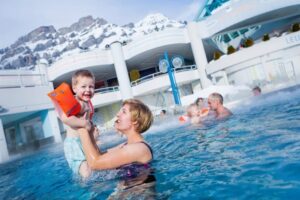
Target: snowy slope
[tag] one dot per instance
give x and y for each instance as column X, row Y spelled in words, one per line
column 86, row 34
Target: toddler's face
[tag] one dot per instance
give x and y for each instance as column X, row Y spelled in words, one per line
column 193, row 111
column 85, row 88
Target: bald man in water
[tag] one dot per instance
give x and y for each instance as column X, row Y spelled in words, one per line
column 215, row 102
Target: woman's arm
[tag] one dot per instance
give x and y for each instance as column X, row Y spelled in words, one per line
column 112, row 159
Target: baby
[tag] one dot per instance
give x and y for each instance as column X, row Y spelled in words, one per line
column 83, row 83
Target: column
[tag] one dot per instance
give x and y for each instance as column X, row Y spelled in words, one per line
column 225, row 77
column 51, row 126
column 121, row 70
column 42, row 67
column 199, row 53
column 3, row 146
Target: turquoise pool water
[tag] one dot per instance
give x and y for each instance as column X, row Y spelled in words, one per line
column 253, row 155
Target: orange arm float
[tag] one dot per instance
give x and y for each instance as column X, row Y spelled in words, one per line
column 204, row 112
column 63, row 98
column 183, row 118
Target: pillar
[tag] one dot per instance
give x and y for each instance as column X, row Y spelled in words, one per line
column 3, row 145
column 225, row 77
column 42, row 67
column 199, row 53
column 51, row 126
column 121, row 70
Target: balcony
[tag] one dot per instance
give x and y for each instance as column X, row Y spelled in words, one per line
column 267, row 64
column 24, row 90
column 145, row 85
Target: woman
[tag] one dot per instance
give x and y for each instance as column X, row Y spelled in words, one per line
column 133, row 119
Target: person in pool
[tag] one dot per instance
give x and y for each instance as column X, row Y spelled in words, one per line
column 163, row 113
column 256, row 91
column 133, row 119
column 200, row 102
column 215, row 103
column 193, row 113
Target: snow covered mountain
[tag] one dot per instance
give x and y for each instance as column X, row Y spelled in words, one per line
column 86, row 34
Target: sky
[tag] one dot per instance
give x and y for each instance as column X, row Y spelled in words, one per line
column 19, row 17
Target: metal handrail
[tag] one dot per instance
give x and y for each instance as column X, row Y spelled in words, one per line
column 152, row 76
column 21, row 78
column 29, row 68
column 107, row 89
column 146, row 78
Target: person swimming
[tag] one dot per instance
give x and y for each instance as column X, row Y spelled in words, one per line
column 215, row 102
column 256, row 91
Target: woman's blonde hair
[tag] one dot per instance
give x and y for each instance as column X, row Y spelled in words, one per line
column 140, row 113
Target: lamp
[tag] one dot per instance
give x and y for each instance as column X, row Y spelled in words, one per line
column 163, row 65
column 177, row 61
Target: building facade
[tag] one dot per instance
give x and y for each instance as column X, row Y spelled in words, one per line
column 233, row 42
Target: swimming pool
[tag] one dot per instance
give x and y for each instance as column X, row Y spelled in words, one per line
column 253, row 155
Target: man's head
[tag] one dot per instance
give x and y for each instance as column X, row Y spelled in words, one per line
column 256, row 91
column 215, row 100
column 163, row 112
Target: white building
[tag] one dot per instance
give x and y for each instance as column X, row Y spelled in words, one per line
column 27, row 117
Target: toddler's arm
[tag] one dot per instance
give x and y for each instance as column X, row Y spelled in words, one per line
column 75, row 122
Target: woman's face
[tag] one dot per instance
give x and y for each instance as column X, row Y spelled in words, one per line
column 123, row 121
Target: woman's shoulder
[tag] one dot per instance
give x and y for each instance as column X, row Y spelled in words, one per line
column 140, row 143
column 141, row 149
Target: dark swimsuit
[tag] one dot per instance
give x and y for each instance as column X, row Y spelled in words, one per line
column 134, row 169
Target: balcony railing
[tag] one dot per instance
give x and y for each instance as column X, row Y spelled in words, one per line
column 146, row 78
column 22, row 78
column 107, row 89
column 152, row 76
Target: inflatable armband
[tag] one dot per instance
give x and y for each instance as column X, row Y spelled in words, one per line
column 204, row 112
column 183, row 118
column 63, row 98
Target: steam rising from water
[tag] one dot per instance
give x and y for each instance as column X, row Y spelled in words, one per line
column 237, row 107
column 270, row 99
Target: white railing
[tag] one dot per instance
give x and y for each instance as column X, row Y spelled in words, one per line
column 28, row 68
column 145, row 78
column 22, row 78
column 107, row 89
column 152, row 76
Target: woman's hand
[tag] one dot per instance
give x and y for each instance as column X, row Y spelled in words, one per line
column 88, row 125
column 96, row 132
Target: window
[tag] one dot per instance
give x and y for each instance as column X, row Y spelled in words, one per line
column 242, row 31
column 226, row 38
column 234, row 34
